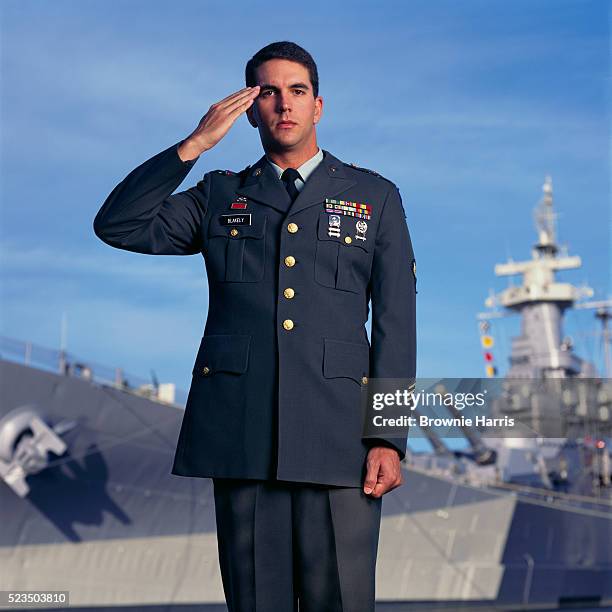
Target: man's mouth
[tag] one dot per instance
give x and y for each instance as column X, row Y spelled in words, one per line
column 286, row 124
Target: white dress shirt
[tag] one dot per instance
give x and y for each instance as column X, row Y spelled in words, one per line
column 305, row 170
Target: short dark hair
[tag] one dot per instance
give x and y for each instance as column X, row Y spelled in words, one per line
column 283, row 50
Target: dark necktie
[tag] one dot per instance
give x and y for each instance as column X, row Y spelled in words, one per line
column 289, row 177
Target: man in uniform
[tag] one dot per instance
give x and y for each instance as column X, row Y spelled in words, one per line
column 295, row 247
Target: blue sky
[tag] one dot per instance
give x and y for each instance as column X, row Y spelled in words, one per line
column 465, row 106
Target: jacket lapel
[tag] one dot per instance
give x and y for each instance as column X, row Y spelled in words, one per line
column 263, row 185
column 327, row 181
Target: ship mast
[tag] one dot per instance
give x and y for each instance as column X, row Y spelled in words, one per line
column 541, row 350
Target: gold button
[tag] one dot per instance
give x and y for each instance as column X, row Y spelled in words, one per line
column 206, row 370
column 288, row 324
column 290, row 261
column 288, row 293
column 364, row 380
column 233, row 232
column 348, row 240
column 292, row 227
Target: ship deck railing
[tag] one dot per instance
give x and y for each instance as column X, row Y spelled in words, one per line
column 67, row 364
column 527, row 493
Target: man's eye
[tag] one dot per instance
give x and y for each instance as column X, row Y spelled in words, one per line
column 298, row 91
column 266, row 92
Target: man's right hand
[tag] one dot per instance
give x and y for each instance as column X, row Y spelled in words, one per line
column 215, row 124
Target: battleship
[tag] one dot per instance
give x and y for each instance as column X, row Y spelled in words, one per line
column 89, row 506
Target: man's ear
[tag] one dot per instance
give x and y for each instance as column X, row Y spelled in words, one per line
column 318, row 109
column 251, row 116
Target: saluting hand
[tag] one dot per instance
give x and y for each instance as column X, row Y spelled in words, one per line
column 383, row 471
column 215, row 124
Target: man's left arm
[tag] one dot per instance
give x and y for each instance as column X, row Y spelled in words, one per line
column 393, row 339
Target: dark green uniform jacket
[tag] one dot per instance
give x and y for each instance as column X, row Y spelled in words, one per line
column 278, row 375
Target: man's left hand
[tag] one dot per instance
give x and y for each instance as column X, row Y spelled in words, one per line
column 383, row 471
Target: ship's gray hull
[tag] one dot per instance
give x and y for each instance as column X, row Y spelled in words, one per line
column 109, row 523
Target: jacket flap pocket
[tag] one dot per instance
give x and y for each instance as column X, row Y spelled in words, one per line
column 246, row 225
column 345, row 359
column 342, row 228
column 223, row 353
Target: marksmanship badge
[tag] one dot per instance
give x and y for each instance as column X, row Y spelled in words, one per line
column 361, row 227
column 333, row 228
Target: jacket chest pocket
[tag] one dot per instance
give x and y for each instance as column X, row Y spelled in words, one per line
column 236, row 252
column 342, row 258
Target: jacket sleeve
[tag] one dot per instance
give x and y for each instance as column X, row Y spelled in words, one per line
column 393, row 294
column 141, row 216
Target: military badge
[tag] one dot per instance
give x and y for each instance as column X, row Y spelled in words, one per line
column 240, row 203
column 361, row 227
column 333, row 228
column 351, row 209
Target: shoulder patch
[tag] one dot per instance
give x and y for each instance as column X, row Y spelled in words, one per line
column 372, row 172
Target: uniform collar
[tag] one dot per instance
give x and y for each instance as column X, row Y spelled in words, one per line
column 327, row 180
column 305, row 170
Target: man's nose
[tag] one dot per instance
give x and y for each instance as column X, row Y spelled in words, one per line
column 282, row 101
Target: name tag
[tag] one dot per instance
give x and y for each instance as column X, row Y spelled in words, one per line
column 244, row 219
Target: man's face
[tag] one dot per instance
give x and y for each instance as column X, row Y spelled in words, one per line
column 285, row 111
